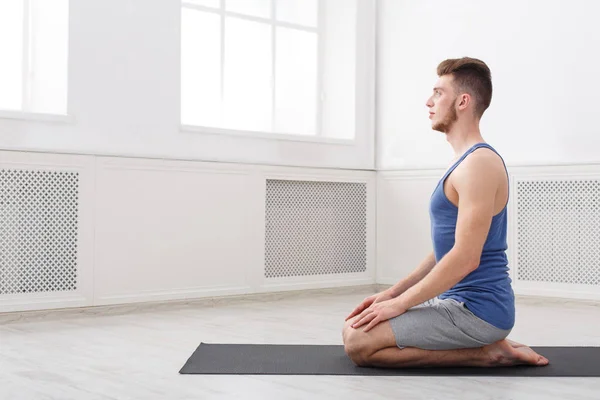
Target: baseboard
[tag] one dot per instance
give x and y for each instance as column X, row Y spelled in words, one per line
column 127, row 308
column 559, row 295
column 170, row 295
column 282, row 285
column 34, row 303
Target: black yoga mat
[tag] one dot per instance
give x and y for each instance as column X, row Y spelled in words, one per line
column 268, row 359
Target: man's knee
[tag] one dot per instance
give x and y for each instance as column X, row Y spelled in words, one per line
column 357, row 347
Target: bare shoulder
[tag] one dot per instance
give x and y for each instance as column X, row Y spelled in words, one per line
column 482, row 168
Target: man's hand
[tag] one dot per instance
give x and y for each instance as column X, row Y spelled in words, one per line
column 379, row 312
column 366, row 303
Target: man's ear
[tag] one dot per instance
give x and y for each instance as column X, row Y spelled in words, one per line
column 464, row 101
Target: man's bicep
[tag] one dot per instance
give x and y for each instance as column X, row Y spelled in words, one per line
column 476, row 194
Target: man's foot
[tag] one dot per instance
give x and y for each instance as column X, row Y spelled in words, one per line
column 508, row 353
column 515, row 344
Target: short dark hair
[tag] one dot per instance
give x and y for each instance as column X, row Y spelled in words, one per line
column 472, row 76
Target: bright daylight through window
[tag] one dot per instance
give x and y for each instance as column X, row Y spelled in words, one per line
column 264, row 66
column 34, row 48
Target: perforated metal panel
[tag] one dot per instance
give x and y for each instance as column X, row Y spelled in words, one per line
column 315, row 228
column 38, row 231
column 558, row 231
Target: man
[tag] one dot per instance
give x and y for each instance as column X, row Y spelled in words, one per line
column 457, row 307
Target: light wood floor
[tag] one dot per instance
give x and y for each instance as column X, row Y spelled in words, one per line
column 137, row 354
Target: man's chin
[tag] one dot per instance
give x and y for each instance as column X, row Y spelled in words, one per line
column 439, row 128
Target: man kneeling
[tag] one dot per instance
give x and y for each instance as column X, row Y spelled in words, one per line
column 457, row 307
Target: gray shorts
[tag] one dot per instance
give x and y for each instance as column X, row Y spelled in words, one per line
column 443, row 325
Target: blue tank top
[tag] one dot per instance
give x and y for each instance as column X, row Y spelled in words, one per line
column 487, row 291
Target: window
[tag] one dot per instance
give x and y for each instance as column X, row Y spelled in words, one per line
column 34, row 49
column 259, row 65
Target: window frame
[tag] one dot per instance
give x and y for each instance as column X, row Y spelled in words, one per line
column 272, row 21
column 25, row 112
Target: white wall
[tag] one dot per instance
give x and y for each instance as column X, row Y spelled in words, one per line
column 403, row 227
column 124, row 95
column 167, row 213
column 544, row 62
column 124, row 99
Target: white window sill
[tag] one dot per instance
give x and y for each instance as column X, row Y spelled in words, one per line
column 32, row 116
column 266, row 135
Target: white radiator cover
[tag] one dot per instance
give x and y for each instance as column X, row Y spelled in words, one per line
column 38, row 231
column 315, row 228
column 557, row 235
column 69, row 236
column 79, row 230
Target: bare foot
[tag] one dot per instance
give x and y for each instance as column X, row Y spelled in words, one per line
column 515, row 344
column 507, row 353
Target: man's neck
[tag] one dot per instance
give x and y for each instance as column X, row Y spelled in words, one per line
column 463, row 136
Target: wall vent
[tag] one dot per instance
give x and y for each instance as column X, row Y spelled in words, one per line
column 558, row 231
column 38, row 231
column 315, row 228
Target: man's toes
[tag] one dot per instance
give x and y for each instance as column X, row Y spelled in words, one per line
column 527, row 356
column 543, row 361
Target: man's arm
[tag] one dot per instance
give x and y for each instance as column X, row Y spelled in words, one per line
column 476, row 185
column 414, row 277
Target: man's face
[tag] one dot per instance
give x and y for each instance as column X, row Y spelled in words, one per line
column 442, row 108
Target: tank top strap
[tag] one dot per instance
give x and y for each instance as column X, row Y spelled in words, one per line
column 466, row 153
column 501, row 159
column 469, row 151
column 494, row 150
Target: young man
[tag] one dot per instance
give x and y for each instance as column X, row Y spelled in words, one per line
column 457, row 307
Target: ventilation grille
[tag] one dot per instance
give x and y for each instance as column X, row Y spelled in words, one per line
column 558, row 231
column 38, row 231
column 315, row 228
